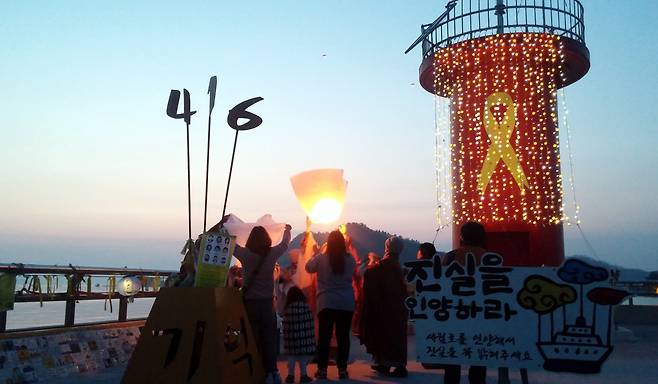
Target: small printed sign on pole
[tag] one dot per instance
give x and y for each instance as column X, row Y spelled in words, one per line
column 215, row 259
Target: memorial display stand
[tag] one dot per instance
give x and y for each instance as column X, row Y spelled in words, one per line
column 196, row 335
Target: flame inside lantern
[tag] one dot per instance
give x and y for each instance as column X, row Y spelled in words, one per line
column 321, row 193
column 326, row 211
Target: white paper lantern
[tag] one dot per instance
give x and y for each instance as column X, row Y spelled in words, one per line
column 129, row 286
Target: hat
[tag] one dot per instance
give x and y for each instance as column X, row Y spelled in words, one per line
column 393, row 246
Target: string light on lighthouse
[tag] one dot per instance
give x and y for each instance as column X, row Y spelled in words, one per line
column 442, row 161
column 442, row 148
column 504, row 144
column 567, row 130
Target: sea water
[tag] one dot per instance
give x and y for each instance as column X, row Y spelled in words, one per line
column 644, row 300
column 51, row 313
column 28, row 315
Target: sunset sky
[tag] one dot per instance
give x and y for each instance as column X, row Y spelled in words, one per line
column 93, row 172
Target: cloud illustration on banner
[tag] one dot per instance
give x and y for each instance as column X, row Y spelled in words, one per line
column 543, row 295
column 575, row 271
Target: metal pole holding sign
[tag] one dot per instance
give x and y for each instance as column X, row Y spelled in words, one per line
column 253, row 121
column 172, row 111
column 212, row 89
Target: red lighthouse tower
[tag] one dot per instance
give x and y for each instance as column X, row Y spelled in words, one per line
column 500, row 63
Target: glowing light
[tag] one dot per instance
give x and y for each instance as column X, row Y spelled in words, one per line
column 503, row 106
column 442, row 148
column 129, row 286
column 321, row 194
column 326, row 211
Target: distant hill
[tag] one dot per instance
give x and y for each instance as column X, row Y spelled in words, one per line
column 625, row 274
column 364, row 240
column 370, row 240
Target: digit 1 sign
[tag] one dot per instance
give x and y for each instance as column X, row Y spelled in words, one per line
column 212, row 90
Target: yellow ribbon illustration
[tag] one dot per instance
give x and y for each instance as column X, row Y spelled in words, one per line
column 500, row 147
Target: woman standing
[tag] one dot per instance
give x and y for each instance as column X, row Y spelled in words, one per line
column 258, row 259
column 335, row 301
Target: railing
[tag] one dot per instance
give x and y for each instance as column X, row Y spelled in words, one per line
column 647, row 288
column 470, row 19
column 73, row 279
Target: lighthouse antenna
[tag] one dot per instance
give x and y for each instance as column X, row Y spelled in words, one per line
column 500, row 12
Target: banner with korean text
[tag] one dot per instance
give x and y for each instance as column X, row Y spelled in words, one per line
column 518, row 317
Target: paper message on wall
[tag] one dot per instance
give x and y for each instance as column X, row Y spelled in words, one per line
column 65, row 357
column 215, row 259
column 519, row 317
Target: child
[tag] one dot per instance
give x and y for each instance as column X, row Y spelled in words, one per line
column 298, row 334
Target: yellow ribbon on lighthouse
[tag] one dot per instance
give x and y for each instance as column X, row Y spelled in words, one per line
column 500, row 148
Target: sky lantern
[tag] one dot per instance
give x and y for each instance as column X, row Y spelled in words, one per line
column 321, row 193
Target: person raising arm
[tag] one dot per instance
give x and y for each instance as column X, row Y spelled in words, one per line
column 258, row 259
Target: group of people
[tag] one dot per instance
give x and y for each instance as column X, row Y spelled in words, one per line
column 376, row 291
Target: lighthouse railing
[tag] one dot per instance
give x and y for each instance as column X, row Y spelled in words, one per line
column 469, row 19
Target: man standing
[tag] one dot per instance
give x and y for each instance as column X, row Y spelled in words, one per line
column 383, row 325
column 473, row 241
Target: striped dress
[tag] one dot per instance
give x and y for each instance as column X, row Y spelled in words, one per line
column 298, row 330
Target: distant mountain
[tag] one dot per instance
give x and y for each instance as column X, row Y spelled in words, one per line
column 364, row 240
column 625, row 274
column 367, row 240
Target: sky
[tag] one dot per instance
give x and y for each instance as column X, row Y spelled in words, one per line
column 93, row 172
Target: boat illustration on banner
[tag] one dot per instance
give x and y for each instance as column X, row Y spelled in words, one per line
column 578, row 347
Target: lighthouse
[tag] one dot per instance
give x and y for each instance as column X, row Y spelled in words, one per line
column 500, row 63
